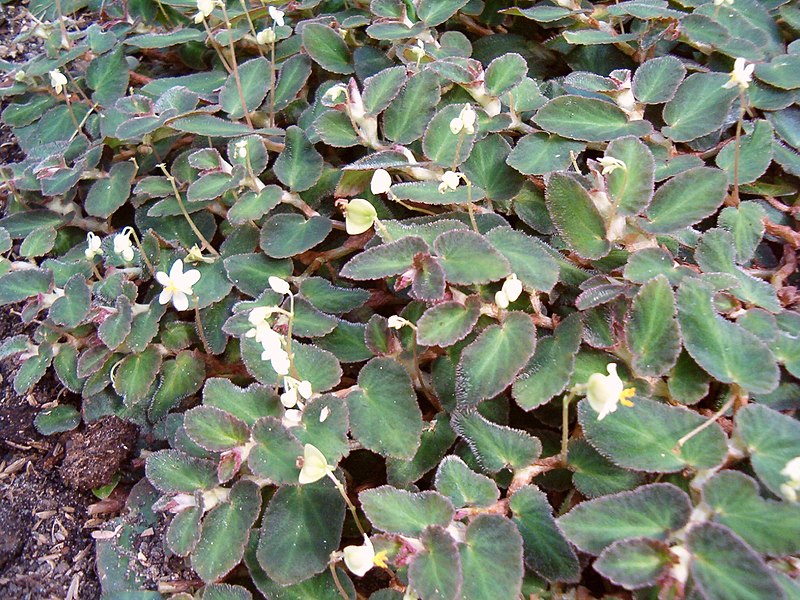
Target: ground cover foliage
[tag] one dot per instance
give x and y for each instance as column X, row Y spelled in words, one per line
column 436, row 299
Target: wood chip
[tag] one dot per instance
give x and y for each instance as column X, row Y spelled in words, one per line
column 74, row 587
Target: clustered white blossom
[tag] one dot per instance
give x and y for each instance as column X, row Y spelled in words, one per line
column 465, row 121
column 123, row 246
column 511, row 290
column 450, row 181
column 93, row 248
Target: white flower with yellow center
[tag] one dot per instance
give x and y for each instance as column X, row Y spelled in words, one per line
column 511, row 290
column 381, row 182
column 360, row 559
column 58, row 81
column 604, row 392
column 93, row 248
column 359, row 216
column 277, row 16
column 123, row 245
column 177, row 285
column 611, row 164
column 741, row 75
column 314, row 465
column 450, row 181
column 791, row 488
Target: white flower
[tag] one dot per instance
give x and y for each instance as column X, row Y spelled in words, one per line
column 177, row 285
column 240, row 149
column 418, row 51
column 266, row 36
column 468, row 117
column 721, row 2
column 512, row 287
column 277, row 16
column 294, row 390
column 500, row 299
column 604, row 392
column 315, row 465
column 511, row 290
column 360, row 559
column 359, row 216
column 334, row 92
column 57, row 80
column 396, row 322
column 279, row 285
column 381, row 182
column 450, row 181
column 792, row 472
column 611, row 164
column 204, row 10
column 196, row 255
column 465, row 120
column 279, row 361
column 123, row 245
column 271, row 341
column 93, row 246
column 741, row 75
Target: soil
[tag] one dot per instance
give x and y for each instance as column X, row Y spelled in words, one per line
column 46, row 548
column 93, row 457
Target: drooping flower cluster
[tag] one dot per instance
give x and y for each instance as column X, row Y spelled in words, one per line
column 273, row 344
column 450, row 181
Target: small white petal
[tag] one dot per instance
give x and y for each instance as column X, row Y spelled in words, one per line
column 381, row 182
column 315, row 465
column 180, row 301
column 279, row 285
column 360, row 559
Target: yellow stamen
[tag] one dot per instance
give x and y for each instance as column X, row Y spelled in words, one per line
column 625, row 394
column 380, row 559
